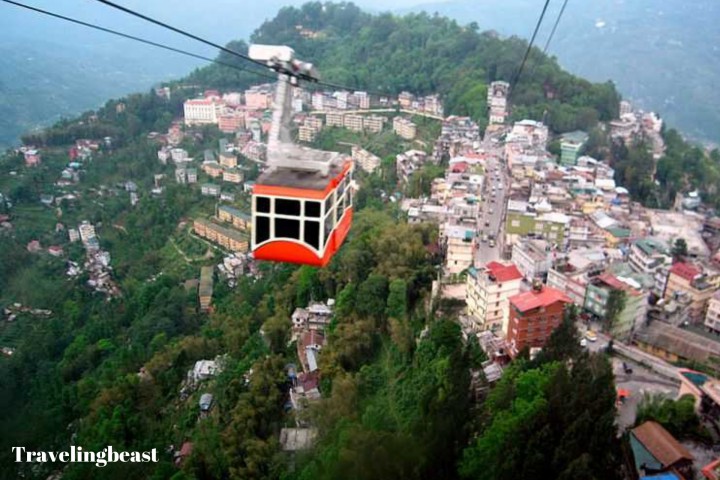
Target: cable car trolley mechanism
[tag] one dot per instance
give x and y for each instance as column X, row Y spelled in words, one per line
column 302, row 202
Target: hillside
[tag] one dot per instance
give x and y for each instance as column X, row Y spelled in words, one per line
column 113, row 370
column 663, row 56
column 425, row 54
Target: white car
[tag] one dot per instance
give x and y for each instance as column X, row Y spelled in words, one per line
column 583, row 342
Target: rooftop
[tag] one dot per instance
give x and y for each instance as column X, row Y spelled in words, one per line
column 661, row 445
column 538, row 298
column 686, row 270
column 503, row 273
column 308, row 180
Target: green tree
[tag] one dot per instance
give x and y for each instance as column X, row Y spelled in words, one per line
column 679, row 249
column 614, row 307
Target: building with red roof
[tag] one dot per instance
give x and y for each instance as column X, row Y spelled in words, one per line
column 694, row 282
column 487, row 292
column 533, row 316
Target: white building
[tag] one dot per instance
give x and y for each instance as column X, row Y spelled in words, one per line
column 202, row 111
column 487, row 294
column 532, row 257
column 460, row 246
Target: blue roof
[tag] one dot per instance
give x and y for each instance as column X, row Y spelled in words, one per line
column 662, row 476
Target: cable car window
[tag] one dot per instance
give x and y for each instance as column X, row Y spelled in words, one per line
column 262, row 229
column 329, row 224
column 349, row 198
column 312, row 209
column 287, row 207
column 338, row 213
column 262, row 204
column 285, row 228
column 329, row 203
column 311, row 236
column 341, row 186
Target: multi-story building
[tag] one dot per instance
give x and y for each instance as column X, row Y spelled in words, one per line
column 239, row 220
column 571, row 274
column 533, row 257
column 231, row 122
column 374, row 123
column 87, row 232
column 364, row 159
column 341, row 99
column 487, row 292
column 233, row 175
column 205, row 288
column 259, row 97
column 533, row 316
column 32, row 158
column 228, row 238
column 353, row 122
column 210, row 190
column 181, row 175
column 649, row 256
column 571, row 144
column 522, row 222
column 712, row 318
column 497, row 101
column 212, row 168
column 318, row 101
column 631, row 316
column 405, row 99
column 179, row 155
column 313, row 122
column 408, row 163
column 363, row 100
column 228, row 160
column 335, row 119
column 696, row 283
column 404, row 128
column 307, row 133
column 191, row 174
column 459, row 241
column 202, row 111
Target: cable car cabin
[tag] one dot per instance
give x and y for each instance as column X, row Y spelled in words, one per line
column 302, row 216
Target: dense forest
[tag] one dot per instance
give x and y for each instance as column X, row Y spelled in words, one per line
column 398, row 399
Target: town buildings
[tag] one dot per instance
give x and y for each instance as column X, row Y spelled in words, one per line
column 571, row 144
column 228, row 238
column 487, row 292
column 364, row 159
column 634, row 312
column 533, row 317
column 202, row 111
column 698, row 284
column 404, row 128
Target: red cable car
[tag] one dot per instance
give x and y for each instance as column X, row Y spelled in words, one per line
column 302, row 204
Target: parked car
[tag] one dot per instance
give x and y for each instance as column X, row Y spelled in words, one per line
column 583, row 342
column 591, row 336
column 627, row 368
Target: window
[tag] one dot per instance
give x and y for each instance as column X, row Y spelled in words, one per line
column 285, row 228
column 262, row 204
column 287, row 207
column 329, row 224
column 311, row 236
column 262, row 229
column 329, row 203
column 312, row 209
column 515, row 223
column 338, row 212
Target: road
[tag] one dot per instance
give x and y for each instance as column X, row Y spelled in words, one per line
column 492, row 213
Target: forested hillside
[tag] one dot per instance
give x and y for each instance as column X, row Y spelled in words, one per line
column 427, row 54
column 396, row 385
